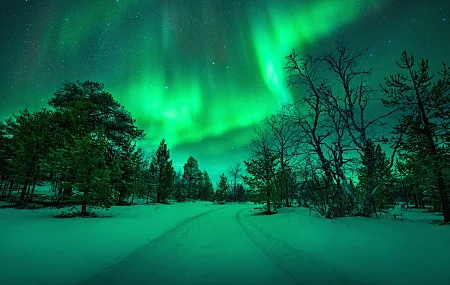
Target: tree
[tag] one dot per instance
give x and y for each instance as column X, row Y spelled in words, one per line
column 344, row 64
column 234, row 171
column 85, row 106
column 261, row 168
column 286, row 145
column 206, row 189
column 84, row 109
column 321, row 128
column 180, row 187
column 128, row 159
column 6, row 143
column 221, row 191
column 375, row 160
column 164, row 173
column 91, row 176
column 424, row 113
column 192, row 176
column 29, row 146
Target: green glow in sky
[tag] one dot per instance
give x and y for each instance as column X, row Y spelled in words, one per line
column 194, row 72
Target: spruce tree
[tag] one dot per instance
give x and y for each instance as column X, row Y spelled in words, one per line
column 207, row 189
column 261, row 177
column 180, row 187
column 221, row 191
column 373, row 180
column 91, row 177
column 192, row 176
column 164, row 173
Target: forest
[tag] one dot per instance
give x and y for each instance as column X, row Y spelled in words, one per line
column 328, row 151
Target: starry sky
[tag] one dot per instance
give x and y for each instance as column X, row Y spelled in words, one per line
column 200, row 73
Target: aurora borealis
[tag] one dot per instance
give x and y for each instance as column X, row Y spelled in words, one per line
column 200, row 74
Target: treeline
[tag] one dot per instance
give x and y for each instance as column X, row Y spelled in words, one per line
column 324, row 150
column 86, row 148
column 231, row 188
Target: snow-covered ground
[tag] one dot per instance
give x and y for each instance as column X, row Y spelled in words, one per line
column 36, row 248
column 376, row 251
column 214, row 242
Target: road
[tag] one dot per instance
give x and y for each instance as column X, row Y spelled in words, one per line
column 218, row 247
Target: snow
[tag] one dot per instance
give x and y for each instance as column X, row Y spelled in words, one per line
column 39, row 249
column 189, row 238
column 372, row 251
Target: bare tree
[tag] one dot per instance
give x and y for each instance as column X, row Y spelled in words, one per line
column 235, row 171
column 321, row 127
column 332, row 117
column 286, row 145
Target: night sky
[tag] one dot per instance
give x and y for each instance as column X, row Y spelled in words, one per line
column 200, row 74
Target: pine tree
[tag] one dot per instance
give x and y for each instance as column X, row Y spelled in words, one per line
column 261, row 177
column 424, row 107
column 85, row 106
column 192, row 176
column 373, row 178
column 206, row 189
column 91, row 177
column 221, row 191
column 30, row 144
column 180, row 187
column 165, row 174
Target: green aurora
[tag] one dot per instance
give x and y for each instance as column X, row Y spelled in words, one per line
column 201, row 74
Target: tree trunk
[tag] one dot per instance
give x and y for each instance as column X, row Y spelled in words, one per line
column 268, row 200
column 443, row 195
column 22, row 194
column 4, row 187
column 83, row 209
column 30, row 197
column 11, row 186
column 416, row 204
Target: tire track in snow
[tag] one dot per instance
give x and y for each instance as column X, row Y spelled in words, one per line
column 295, row 263
column 129, row 270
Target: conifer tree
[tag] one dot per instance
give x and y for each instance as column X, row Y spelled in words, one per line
column 207, row 189
column 261, row 177
column 82, row 107
column 179, row 187
column 261, row 169
column 164, row 173
column 91, row 176
column 30, row 143
column 192, row 176
column 221, row 191
column 374, row 161
column 424, row 105
column 5, row 156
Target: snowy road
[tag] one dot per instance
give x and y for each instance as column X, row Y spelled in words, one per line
column 220, row 246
